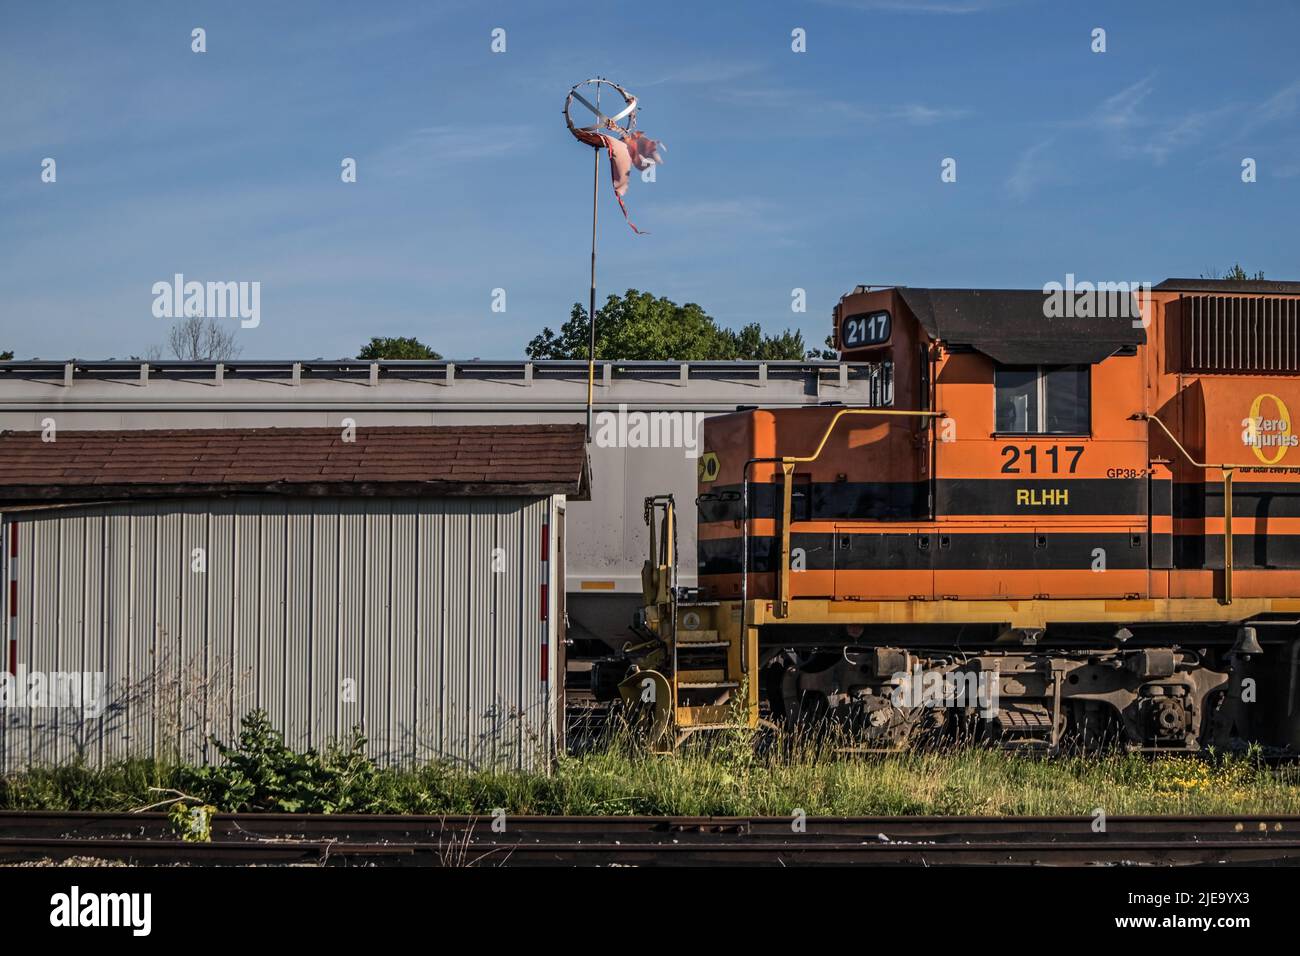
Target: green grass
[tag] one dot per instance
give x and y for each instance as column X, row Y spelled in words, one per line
column 725, row 778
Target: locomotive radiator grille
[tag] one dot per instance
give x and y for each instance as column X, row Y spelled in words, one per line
column 1234, row 334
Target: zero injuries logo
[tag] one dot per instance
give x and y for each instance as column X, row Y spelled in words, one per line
column 1259, row 433
column 708, row 467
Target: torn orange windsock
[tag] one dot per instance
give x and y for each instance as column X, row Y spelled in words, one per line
column 635, row 149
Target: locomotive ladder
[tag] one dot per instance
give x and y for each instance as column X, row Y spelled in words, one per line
column 707, row 665
column 711, row 689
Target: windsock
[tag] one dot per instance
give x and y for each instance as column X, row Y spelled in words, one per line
column 634, row 149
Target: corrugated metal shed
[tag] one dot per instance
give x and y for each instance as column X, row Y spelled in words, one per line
column 431, row 621
column 416, row 618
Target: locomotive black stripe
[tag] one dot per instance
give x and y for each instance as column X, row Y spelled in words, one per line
column 998, row 552
column 898, row 500
column 1162, row 496
column 1263, row 499
column 1249, row 551
column 879, row 500
column 859, row 551
column 1162, row 504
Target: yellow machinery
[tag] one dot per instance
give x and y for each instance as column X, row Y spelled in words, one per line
column 693, row 671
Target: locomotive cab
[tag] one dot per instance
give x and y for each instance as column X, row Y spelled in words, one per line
column 997, row 459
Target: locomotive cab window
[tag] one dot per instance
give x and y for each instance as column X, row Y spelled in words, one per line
column 1042, row 399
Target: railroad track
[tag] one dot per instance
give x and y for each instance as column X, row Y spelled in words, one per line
column 365, row 840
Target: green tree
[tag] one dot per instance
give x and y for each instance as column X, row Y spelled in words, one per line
column 639, row 326
column 6, row 356
column 828, row 352
column 1235, row 274
column 397, row 348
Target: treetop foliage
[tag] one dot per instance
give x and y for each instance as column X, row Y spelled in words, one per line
column 381, row 347
column 638, row 326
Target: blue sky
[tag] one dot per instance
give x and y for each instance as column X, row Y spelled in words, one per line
column 784, row 170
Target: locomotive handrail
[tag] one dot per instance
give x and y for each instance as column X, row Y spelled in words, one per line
column 787, row 463
column 853, row 411
column 1228, row 470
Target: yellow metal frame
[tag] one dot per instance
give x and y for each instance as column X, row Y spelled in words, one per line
column 1035, row 613
column 788, row 462
column 658, row 576
column 1227, row 470
column 739, row 645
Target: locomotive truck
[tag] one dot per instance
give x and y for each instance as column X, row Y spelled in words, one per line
column 1051, row 527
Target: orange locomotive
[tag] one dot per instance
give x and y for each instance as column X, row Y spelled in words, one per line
column 1025, row 537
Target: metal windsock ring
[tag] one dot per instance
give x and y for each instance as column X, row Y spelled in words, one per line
column 590, row 90
column 616, row 132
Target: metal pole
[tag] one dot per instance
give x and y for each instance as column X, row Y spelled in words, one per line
column 591, row 308
column 1227, row 536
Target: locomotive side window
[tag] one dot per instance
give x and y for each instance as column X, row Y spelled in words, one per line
column 1017, row 399
column 1069, row 400
column 1042, row 399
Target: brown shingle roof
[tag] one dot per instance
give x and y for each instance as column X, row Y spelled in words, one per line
column 404, row 461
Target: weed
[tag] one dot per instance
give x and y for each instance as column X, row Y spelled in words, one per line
column 728, row 775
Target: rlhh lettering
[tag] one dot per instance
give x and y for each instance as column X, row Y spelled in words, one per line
column 1040, row 497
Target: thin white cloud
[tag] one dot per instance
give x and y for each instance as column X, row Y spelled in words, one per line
column 1138, row 132
column 749, row 212
column 794, row 103
column 1289, row 171
column 368, row 26
column 1167, row 138
column 918, row 114
column 1134, row 132
column 1030, row 172
column 1120, row 111
column 1282, row 105
column 702, row 74
column 435, row 147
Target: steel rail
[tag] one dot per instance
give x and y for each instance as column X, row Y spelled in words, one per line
column 722, row 852
column 356, row 839
column 22, row 822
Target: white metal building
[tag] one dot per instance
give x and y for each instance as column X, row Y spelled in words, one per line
column 408, row 582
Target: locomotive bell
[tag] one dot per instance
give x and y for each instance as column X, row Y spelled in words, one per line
column 1247, row 642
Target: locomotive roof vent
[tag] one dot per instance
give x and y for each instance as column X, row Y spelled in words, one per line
column 1229, row 286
